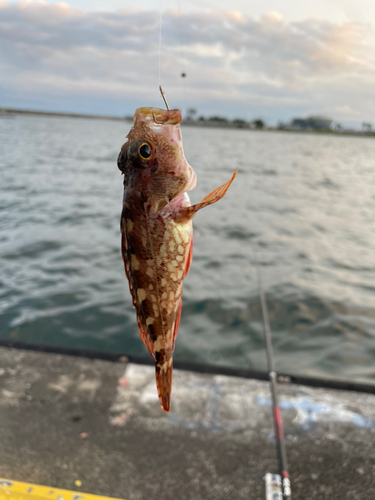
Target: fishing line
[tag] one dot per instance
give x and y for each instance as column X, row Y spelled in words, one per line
column 182, row 55
column 161, row 90
column 160, row 20
column 183, row 74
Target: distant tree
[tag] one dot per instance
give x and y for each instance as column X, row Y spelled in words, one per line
column 338, row 127
column 259, row 123
column 237, row 122
column 366, row 127
column 220, row 119
column 202, row 119
column 191, row 113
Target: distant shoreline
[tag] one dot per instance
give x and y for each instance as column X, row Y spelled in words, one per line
column 208, row 124
column 10, row 112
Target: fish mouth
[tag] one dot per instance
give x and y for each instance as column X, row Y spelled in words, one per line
column 158, row 116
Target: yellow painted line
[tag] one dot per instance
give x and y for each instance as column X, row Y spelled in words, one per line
column 14, row 490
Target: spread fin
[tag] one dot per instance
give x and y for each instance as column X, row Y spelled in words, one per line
column 187, row 213
column 176, row 324
column 189, row 258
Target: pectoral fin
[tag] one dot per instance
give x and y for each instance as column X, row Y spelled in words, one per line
column 187, row 213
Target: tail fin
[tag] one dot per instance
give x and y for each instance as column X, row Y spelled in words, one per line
column 163, row 375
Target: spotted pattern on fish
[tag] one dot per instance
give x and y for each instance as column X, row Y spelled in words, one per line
column 156, row 229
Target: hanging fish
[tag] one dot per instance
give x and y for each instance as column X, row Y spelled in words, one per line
column 156, row 229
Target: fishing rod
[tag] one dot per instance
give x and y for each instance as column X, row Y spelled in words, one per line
column 286, row 491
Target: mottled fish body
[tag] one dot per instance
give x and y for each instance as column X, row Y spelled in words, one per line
column 156, row 229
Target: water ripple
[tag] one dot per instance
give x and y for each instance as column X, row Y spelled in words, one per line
column 302, row 205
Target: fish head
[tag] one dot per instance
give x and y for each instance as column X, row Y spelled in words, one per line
column 152, row 160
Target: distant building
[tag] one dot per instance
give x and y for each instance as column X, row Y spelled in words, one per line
column 312, row 123
column 300, row 123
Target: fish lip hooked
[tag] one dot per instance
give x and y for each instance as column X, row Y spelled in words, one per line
column 169, row 117
column 158, row 116
column 158, row 123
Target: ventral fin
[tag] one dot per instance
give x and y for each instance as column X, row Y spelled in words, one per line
column 176, row 325
column 189, row 258
column 187, row 213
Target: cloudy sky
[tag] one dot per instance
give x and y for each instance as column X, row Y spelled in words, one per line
column 273, row 59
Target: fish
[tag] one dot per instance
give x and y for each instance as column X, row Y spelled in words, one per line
column 156, row 231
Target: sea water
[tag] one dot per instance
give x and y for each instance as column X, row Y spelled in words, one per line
column 302, row 206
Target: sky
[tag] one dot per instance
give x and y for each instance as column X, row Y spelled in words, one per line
column 269, row 59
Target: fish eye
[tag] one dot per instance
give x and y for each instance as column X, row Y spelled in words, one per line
column 144, row 151
column 120, row 161
column 122, row 158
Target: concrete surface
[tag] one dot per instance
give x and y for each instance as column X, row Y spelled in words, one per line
column 66, row 419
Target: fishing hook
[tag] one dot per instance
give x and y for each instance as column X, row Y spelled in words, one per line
column 163, row 96
column 158, row 123
column 166, row 103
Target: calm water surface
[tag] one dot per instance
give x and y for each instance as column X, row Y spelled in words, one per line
column 303, row 205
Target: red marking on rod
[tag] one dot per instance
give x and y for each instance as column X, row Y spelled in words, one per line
column 279, row 432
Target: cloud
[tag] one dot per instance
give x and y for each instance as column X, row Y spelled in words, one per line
column 227, row 56
column 346, row 110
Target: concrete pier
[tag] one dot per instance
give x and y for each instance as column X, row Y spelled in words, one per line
column 96, row 426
